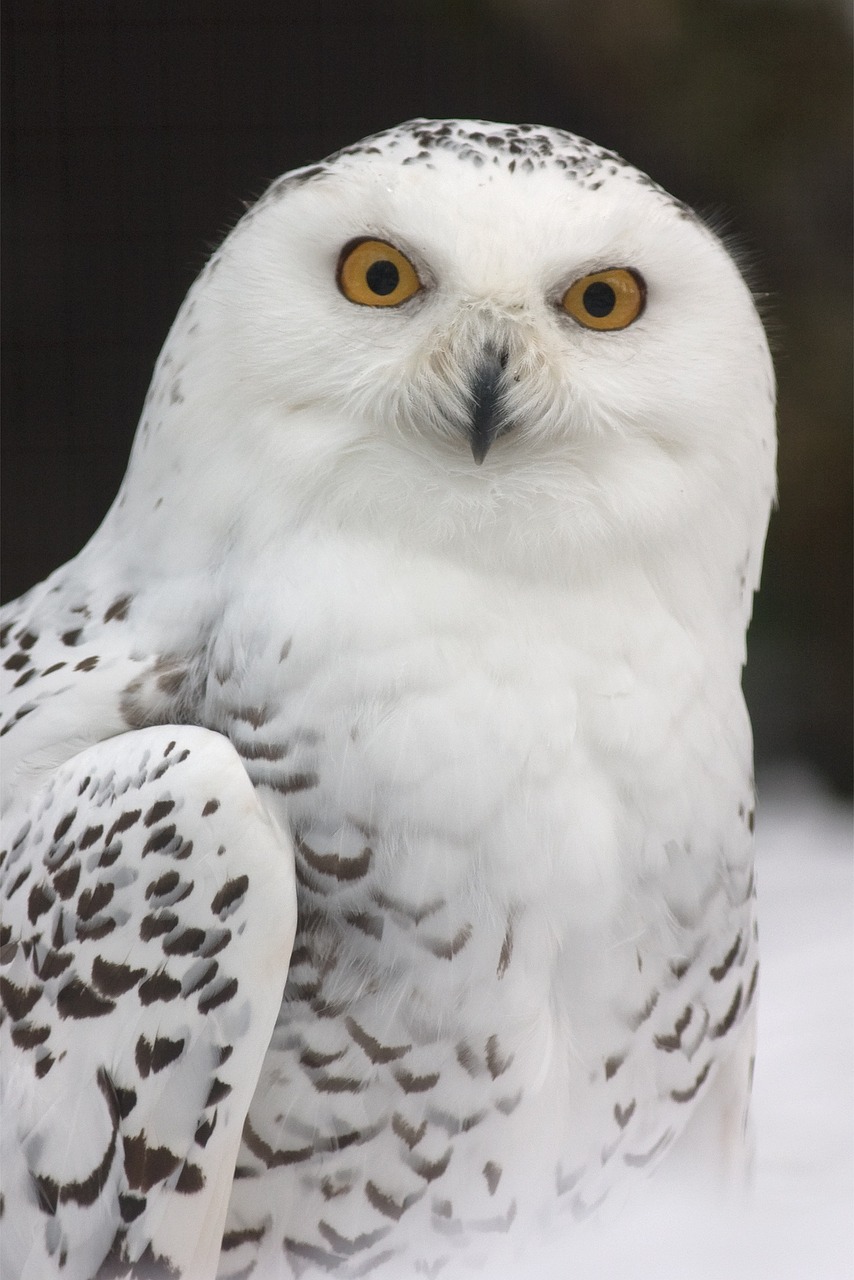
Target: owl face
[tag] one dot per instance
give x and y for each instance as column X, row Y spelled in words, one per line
column 506, row 329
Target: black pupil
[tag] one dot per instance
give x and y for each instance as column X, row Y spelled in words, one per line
column 599, row 299
column 383, row 277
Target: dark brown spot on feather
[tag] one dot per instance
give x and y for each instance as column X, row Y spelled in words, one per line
column 190, row 1180
column 18, row 1001
column 229, row 895
column 729, row 1017
column 27, row 1036
column 160, row 986
column 77, row 1000
column 118, row 610
column 91, row 901
column 41, row 899
column 220, row 996
column 377, row 1052
column 411, row 1083
column 145, row 1166
column 720, row 971
column 387, row 1205
column 492, row 1173
column 65, row 882
column 114, row 979
column 158, row 810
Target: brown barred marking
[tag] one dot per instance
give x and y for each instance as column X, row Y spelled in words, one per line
column 89, row 836
column 123, row 823
column 220, row 996
column 41, row 899
column 670, row 1043
column 410, row 1083
column 686, row 1095
column 160, row 986
column 272, row 1157
column 506, row 950
column 87, row 664
column 158, row 810
column 347, row 1246
column 387, row 1205
column 63, row 825
column 156, row 924
column 145, row 1166
column 332, row 864
column 163, row 885
column 496, row 1062
column 415, row 914
column 720, row 971
column 204, row 1129
column 114, row 979
column 65, row 882
column 366, row 923
column 77, row 1000
column 91, row 901
column 613, row 1064
column 429, row 1170
column 159, row 839
column 623, row 1115
column 444, row 950
column 272, row 751
column 218, row 1090
column 210, row 807
column 188, row 942
column 118, row 610
column 227, row 898
column 729, row 1017
column 378, row 1053
column 645, row 1013
column 256, row 716
column 313, row 1060
column 27, row 1036
column 130, row 1207
column 640, row 1160
column 249, row 1235
column 293, row 782
column 190, row 1180
column 492, row 1172
column 54, row 963
column 339, row 1084
column 151, row 1057
column 311, row 1253
column 407, row 1132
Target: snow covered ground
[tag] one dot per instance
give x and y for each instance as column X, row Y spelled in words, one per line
column 798, row 1221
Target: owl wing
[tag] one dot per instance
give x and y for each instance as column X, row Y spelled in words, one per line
column 149, row 910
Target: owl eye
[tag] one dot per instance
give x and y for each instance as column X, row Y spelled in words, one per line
column 375, row 274
column 606, row 299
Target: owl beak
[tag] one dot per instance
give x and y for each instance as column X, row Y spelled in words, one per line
column 486, row 418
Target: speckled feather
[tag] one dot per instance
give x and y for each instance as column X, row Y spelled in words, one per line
column 483, row 723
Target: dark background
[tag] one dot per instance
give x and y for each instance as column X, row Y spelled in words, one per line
column 133, row 131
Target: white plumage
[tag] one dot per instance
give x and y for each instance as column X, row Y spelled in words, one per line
column 447, row 509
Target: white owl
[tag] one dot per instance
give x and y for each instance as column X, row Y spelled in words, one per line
column 377, row 879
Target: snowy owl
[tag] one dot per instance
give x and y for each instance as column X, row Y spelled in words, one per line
column 377, row 871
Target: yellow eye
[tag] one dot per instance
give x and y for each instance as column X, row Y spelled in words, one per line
column 606, row 299
column 375, row 274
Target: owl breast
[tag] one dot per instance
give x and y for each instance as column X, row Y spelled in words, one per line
column 496, row 904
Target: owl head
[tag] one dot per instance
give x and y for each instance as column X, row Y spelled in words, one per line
column 498, row 343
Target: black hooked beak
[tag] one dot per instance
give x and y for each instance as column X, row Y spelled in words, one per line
column 486, row 418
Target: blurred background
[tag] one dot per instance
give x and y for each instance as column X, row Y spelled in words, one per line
column 134, row 130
